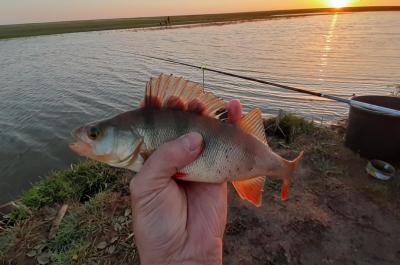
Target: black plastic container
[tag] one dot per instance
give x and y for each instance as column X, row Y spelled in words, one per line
column 374, row 135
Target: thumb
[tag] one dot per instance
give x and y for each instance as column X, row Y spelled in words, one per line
column 165, row 162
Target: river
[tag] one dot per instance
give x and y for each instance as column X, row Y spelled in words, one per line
column 51, row 84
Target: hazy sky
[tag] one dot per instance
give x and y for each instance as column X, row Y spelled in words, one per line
column 23, row 11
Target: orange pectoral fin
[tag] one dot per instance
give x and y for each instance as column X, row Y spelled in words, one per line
column 250, row 189
column 180, row 175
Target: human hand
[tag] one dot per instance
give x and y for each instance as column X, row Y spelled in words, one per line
column 179, row 222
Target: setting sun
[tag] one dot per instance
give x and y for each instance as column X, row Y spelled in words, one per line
column 338, row 3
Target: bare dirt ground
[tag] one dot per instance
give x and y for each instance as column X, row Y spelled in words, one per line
column 336, row 214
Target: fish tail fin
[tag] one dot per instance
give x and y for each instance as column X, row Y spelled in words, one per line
column 292, row 165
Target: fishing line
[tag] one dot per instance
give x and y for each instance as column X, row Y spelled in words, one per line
column 350, row 102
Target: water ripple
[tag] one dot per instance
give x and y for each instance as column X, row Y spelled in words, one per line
column 51, row 84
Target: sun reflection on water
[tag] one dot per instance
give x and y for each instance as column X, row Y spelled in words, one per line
column 327, row 47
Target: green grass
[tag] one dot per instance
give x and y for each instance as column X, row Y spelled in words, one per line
column 99, row 228
column 37, row 29
column 77, row 184
column 289, row 126
column 326, row 166
column 20, row 213
column 97, row 214
column 91, row 231
column 6, row 238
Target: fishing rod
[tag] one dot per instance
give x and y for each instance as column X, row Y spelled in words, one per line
column 350, row 102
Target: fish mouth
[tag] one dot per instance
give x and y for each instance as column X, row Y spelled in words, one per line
column 79, row 146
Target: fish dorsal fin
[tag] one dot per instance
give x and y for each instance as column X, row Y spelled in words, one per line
column 250, row 189
column 252, row 123
column 168, row 91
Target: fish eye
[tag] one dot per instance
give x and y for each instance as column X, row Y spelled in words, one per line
column 93, row 133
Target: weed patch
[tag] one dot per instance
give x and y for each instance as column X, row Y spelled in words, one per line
column 288, row 126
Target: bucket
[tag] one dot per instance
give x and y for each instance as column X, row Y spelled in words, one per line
column 372, row 134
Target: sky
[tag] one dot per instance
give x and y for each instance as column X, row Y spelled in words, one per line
column 26, row 11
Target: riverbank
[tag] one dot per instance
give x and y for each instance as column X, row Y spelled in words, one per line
column 38, row 29
column 336, row 213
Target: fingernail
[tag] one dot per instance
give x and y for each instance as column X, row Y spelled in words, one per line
column 192, row 141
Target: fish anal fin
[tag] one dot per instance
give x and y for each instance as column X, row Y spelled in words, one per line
column 171, row 92
column 250, row 189
column 252, row 123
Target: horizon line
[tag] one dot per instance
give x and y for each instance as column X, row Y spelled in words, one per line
column 397, row 8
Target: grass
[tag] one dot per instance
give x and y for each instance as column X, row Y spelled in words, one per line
column 37, row 29
column 319, row 143
column 96, row 225
column 96, row 229
column 24, row 230
column 77, row 184
column 91, row 231
column 289, row 126
column 323, row 156
column 6, row 238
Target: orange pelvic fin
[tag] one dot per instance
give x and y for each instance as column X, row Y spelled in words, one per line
column 292, row 165
column 171, row 92
column 250, row 189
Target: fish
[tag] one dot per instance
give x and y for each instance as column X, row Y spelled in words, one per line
column 172, row 107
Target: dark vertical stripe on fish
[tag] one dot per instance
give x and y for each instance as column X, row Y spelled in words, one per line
column 181, row 125
column 149, row 119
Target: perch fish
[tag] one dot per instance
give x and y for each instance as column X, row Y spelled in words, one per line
column 173, row 107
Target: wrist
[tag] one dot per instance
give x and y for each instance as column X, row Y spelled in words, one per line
column 203, row 256
column 187, row 261
column 207, row 261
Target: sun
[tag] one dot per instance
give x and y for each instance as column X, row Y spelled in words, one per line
column 338, row 3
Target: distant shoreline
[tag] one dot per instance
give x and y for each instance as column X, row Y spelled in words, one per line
column 50, row 28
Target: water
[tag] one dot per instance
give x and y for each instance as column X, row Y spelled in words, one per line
column 51, row 84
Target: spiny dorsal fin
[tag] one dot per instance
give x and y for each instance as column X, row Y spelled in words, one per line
column 252, row 123
column 250, row 189
column 168, row 91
